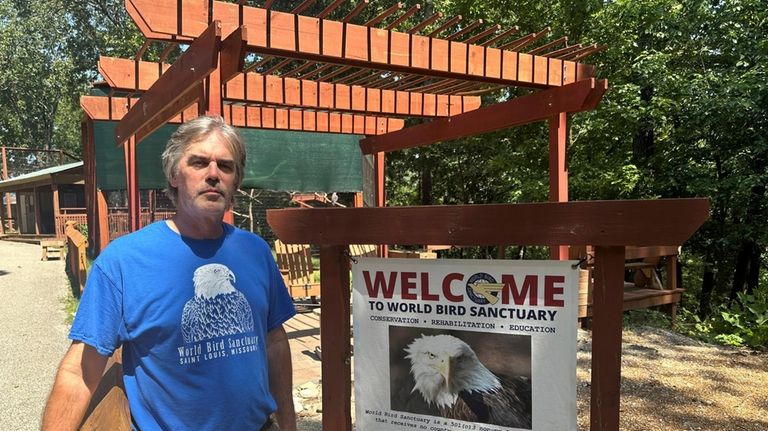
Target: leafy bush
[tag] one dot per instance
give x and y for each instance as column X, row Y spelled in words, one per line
column 743, row 323
column 82, row 228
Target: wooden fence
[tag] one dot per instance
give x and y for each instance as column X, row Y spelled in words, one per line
column 76, row 261
column 76, row 215
column 119, row 224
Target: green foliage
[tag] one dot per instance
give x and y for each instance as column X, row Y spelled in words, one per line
column 82, row 228
column 49, row 50
column 743, row 323
column 70, row 303
column 686, row 115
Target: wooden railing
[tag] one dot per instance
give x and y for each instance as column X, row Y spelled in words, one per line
column 76, row 261
column 647, row 289
column 76, row 215
column 119, row 224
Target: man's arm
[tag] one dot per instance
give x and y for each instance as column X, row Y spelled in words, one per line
column 77, row 379
column 281, row 377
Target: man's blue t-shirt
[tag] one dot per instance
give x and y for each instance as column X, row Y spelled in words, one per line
column 192, row 317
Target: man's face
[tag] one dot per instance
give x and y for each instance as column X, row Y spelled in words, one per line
column 206, row 178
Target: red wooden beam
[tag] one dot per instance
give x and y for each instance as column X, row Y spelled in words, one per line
column 132, row 184
column 539, row 106
column 114, row 108
column 606, row 337
column 657, row 222
column 233, row 53
column 299, row 37
column 121, row 74
column 175, row 90
column 334, row 335
column 558, row 170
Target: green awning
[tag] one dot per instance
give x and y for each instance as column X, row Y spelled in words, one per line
column 276, row 160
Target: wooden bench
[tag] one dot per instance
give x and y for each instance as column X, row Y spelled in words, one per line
column 295, row 264
column 362, row 250
column 646, row 290
column 52, row 246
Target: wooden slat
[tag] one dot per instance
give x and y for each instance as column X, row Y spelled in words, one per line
column 258, row 88
column 539, row 106
column 309, row 121
column 407, row 14
column 114, row 108
column 444, row 26
column 663, row 221
column 420, row 26
column 642, row 252
column 644, row 298
column 170, row 93
column 356, row 11
column 384, row 14
column 377, row 48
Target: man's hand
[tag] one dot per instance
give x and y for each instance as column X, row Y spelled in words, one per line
column 77, row 379
column 281, row 377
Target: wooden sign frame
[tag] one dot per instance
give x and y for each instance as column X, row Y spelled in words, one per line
column 608, row 225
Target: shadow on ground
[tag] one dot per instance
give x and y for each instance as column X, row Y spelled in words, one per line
column 309, row 424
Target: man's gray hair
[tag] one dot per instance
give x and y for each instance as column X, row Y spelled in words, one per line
column 193, row 132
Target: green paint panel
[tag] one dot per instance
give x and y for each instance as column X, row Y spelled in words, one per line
column 277, row 160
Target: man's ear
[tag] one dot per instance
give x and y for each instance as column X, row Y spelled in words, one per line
column 174, row 182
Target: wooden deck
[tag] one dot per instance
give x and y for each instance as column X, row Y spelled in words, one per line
column 304, row 337
column 636, row 298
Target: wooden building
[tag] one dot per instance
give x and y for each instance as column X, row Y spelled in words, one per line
column 44, row 201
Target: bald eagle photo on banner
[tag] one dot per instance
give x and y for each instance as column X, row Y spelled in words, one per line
column 217, row 309
column 449, row 380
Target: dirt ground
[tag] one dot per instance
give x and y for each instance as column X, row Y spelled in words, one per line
column 669, row 382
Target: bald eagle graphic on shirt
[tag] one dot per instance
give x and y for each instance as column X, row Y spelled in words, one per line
column 217, row 309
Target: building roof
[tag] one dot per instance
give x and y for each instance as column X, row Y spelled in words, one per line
column 38, row 176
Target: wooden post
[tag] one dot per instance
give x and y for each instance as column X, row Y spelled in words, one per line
column 380, row 192
column 152, row 204
column 671, row 283
column 89, row 174
column 132, row 184
column 36, row 202
column 2, row 217
column 558, row 171
column 102, row 214
column 8, row 209
column 379, row 179
column 334, row 338
column 606, row 337
column 57, row 212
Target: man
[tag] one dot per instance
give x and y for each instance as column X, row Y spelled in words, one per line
column 197, row 305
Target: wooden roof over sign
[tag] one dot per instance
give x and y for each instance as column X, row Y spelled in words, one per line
column 331, row 72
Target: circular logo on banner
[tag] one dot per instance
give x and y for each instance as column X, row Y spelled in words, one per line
column 483, row 289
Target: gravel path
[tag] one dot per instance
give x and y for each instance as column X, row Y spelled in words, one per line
column 33, row 332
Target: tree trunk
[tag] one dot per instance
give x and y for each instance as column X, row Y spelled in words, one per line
column 705, row 297
column 426, row 185
column 740, row 273
column 753, row 276
column 644, row 140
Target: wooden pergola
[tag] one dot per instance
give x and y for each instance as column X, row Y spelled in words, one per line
column 333, row 72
